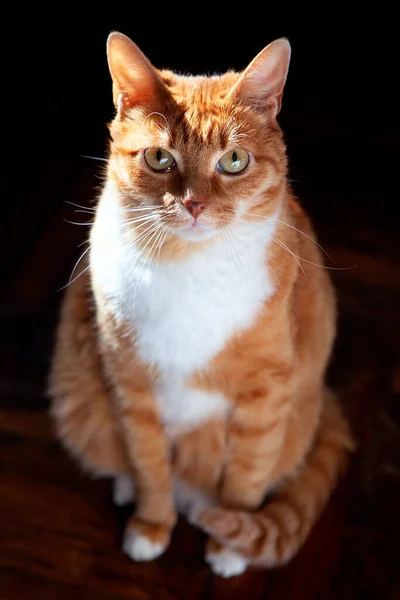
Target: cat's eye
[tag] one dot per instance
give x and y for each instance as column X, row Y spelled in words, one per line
column 234, row 161
column 159, row 159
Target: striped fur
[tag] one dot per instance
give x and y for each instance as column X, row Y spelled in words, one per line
column 272, row 535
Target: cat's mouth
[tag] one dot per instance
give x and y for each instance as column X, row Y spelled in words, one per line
column 195, row 231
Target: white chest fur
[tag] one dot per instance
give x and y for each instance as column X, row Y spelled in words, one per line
column 183, row 313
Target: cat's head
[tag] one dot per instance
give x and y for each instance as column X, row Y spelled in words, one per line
column 195, row 155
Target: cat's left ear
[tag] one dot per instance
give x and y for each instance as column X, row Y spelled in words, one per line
column 263, row 81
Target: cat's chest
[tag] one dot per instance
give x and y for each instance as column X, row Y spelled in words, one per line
column 182, row 313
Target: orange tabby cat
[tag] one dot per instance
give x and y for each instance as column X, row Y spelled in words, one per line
column 191, row 351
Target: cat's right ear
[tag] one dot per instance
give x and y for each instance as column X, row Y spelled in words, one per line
column 135, row 80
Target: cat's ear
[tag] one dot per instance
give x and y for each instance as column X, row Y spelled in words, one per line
column 135, row 80
column 263, row 81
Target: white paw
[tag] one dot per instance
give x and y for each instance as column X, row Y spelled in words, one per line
column 140, row 548
column 226, row 563
column 123, row 490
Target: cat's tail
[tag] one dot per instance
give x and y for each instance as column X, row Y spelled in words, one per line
column 81, row 407
column 272, row 535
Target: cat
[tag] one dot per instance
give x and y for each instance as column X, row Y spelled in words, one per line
column 191, row 351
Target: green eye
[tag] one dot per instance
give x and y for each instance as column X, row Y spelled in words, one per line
column 234, row 161
column 159, row 159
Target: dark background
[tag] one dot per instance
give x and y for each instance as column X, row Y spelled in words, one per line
column 340, row 118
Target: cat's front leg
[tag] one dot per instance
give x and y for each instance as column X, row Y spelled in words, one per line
column 255, row 437
column 148, row 531
column 198, row 463
column 256, row 434
column 199, row 456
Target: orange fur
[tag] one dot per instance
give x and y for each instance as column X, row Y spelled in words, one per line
column 285, row 432
column 271, row 535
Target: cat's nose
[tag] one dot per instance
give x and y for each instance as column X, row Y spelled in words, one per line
column 194, row 207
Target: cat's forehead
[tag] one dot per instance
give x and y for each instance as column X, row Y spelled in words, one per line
column 202, row 111
column 200, row 116
column 203, row 92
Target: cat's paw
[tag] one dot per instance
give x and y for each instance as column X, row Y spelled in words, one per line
column 226, row 563
column 144, row 541
column 123, row 490
column 141, row 548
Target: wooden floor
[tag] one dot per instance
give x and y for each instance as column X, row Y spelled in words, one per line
column 60, row 534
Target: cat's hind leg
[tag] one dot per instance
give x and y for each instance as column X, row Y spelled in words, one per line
column 81, row 407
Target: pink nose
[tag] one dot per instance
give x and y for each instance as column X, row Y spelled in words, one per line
column 194, row 207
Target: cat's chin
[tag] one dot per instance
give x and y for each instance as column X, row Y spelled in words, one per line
column 192, row 233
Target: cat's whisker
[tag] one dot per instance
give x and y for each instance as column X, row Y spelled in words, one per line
column 247, row 245
column 142, row 237
column 155, row 246
column 160, row 245
column 325, row 266
column 305, row 235
column 75, row 278
column 77, row 263
column 86, row 208
column 240, row 135
column 72, row 278
column 227, row 124
column 156, row 236
column 276, row 276
column 143, row 248
column 93, row 157
column 147, row 259
column 296, row 258
column 141, row 216
column 337, row 268
column 136, row 226
column 78, row 223
column 133, row 218
column 137, row 222
column 159, row 115
column 141, row 234
column 85, row 211
column 159, row 231
column 140, row 208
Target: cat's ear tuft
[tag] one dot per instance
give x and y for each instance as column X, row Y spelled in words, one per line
column 135, row 80
column 263, row 81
